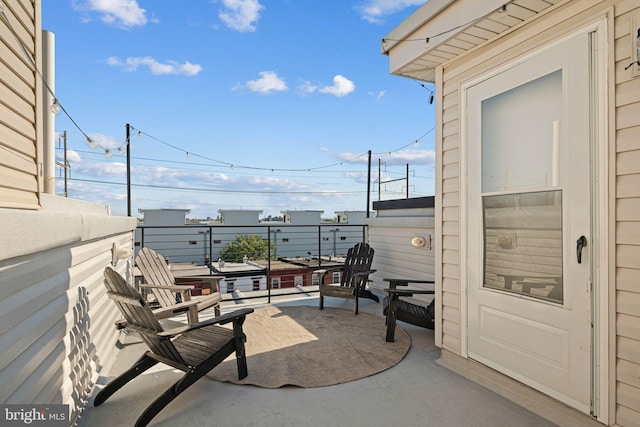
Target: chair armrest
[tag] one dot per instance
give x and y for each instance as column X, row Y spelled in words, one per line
column 407, row 292
column 221, row 320
column 176, row 288
column 405, row 282
column 176, row 308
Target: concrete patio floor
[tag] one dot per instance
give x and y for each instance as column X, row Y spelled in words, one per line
column 419, row 391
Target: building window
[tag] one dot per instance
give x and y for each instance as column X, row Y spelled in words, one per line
column 285, row 239
column 298, row 281
column 275, row 283
column 256, row 284
column 325, row 239
column 315, row 279
column 230, row 287
column 343, row 237
column 336, row 277
column 217, row 242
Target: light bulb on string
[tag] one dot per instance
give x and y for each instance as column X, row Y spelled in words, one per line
column 502, row 12
column 187, row 155
column 417, row 143
column 55, row 107
column 427, row 43
column 91, row 143
column 231, row 167
column 107, row 153
column 121, row 149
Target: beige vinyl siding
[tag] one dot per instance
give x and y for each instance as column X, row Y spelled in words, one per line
column 57, row 323
column 395, row 256
column 20, row 89
column 627, row 221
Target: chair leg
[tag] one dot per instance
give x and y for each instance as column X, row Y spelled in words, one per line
column 144, row 363
column 241, row 356
column 189, row 378
column 167, row 397
column 391, row 317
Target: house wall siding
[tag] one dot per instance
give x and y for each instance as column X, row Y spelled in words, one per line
column 625, row 166
column 627, row 218
column 395, row 256
column 20, row 111
column 57, row 322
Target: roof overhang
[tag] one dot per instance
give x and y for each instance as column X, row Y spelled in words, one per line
column 452, row 27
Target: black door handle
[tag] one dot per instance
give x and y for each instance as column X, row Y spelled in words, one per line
column 581, row 243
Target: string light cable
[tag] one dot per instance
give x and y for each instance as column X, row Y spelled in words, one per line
column 427, row 40
column 240, row 166
column 56, row 103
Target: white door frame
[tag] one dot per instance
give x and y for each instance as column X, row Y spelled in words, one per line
column 600, row 210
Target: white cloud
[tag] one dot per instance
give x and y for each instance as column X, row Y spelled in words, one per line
column 268, row 82
column 119, row 13
column 378, row 95
column 306, row 87
column 241, row 15
column 341, row 86
column 375, row 11
column 156, row 68
column 401, row 157
column 104, row 141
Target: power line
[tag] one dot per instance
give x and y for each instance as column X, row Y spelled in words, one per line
column 213, row 190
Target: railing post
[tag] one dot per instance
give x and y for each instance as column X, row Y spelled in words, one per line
column 269, row 264
column 210, row 250
column 319, row 245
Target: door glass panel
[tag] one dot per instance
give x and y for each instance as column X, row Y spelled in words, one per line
column 521, row 136
column 522, row 161
column 523, row 243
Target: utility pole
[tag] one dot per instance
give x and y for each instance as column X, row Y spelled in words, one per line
column 128, row 132
column 369, row 183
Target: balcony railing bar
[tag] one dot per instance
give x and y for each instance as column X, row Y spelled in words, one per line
column 173, row 242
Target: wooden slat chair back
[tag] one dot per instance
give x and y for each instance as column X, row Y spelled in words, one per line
column 158, row 278
column 194, row 349
column 354, row 276
column 155, row 271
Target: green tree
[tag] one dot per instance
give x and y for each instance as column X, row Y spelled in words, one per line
column 253, row 246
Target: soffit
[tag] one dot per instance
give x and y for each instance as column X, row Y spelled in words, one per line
column 414, row 60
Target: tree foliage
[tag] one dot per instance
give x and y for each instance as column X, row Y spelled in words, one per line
column 253, row 246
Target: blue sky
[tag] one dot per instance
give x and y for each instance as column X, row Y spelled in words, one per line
column 237, row 104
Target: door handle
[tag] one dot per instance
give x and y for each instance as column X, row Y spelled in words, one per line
column 581, row 243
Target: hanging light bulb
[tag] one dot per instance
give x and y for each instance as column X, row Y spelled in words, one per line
column 417, row 144
column 231, row 167
column 121, row 149
column 187, row 155
column 427, row 43
column 107, row 153
column 139, row 134
column 55, row 107
column 502, row 12
column 91, row 143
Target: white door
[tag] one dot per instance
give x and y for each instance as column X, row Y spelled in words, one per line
column 528, row 221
